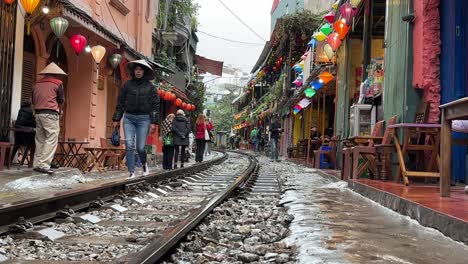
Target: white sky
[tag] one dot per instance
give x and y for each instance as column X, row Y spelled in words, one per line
column 215, row 19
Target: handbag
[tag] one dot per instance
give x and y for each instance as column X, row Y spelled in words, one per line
column 115, row 139
column 168, row 140
column 207, row 135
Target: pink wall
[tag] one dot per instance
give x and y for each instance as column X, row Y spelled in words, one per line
column 427, row 48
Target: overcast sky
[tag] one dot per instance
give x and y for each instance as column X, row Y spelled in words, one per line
column 216, row 20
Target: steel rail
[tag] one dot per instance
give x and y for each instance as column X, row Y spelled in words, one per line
column 161, row 245
column 39, row 210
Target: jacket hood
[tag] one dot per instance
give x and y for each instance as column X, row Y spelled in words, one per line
column 181, row 118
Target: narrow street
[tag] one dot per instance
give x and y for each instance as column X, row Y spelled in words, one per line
column 335, row 225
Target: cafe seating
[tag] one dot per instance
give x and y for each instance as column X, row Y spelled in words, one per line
column 5, row 154
column 326, row 153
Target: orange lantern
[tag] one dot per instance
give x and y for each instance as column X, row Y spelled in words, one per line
column 189, row 107
column 183, row 106
column 341, row 28
column 194, row 107
column 163, row 94
column 326, row 77
column 173, row 96
column 159, row 93
column 334, row 41
column 9, row 2
column 29, row 6
column 168, row 96
column 178, row 102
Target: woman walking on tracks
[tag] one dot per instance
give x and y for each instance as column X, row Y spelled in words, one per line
column 181, row 131
column 139, row 105
column 201, row 136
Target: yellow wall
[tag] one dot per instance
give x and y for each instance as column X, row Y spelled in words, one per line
column 317, row 121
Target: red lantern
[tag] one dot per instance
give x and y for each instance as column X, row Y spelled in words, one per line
column 347, row 12
column 9, row 2
column 334, row 41
column 159, row 93
column 330, row 17
column 78, row 43
column 341, row 28
column 167, row 96
column 178, row 102
column 163, row 94
column 183, row 106
column 173, row 97
column 194, row 107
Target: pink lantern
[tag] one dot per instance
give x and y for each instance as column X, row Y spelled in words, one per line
column 347, row 12
column 334, row 41
column 78, row 43
column 330, row 17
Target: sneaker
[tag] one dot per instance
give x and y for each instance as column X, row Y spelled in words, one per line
column 182, row 165
column 54, row 166
column 145, row 169
column 132, row 175
column 43, row 170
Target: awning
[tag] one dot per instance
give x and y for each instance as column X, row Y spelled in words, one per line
column 207, row 65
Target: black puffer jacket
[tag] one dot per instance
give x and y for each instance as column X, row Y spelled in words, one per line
column 25, row 117
column 181, row 130
column 138, row 97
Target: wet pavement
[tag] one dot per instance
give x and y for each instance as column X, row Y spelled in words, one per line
column 335, row 225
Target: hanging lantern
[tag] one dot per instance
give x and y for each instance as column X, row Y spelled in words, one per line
column 58, row 25
column 78, row 43
column 115, row 60
column 355, row 3
column 98, row 53
column 297, row 83
column 341, row 28
column 173, row 97
column 29, row 6
column 194, row 107
column 312, row 43
column 326, row 29
column 347, row 12
column 303, row 57
column 326, row 77
column 163, row 94
column 319, row 36
column 302, row 63
column 310, row 92
column 328, row 51
column 9, row 2
column 336, row 4
column 168, row 96
column 178, row 102
column 330, row 17
column 317, row 84
column 183, row 106
column 159, row 93
column 334, row 41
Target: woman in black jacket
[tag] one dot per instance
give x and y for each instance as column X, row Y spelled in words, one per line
column 181, row 131
column 139, row 101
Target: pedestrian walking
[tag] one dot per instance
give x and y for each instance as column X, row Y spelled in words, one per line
column 210, row 140
column 275, row 132
column 168, row 141
column 181, row 131
column 201, row 136
column 139, row 106
column 254, row 139
column 48, row 98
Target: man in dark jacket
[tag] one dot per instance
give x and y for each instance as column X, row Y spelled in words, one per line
column 275, row 132
column 48, row 96
column 139, row 101
column 181, row 131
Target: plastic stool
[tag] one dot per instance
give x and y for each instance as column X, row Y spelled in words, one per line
column 5, row 154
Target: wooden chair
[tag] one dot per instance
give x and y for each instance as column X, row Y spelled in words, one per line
column 348, row 150
column 369, row 153
column 111, row 158
column 330, row 154
column 5, row 154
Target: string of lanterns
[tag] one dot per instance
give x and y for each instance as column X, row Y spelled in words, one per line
column 171, row 97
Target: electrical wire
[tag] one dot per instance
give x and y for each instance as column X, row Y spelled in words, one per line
column 115, row 23
column 238, row 18
column 230, row 40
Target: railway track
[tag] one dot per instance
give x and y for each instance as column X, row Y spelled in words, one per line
column 135, row 221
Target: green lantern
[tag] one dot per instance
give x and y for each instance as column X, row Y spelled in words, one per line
column 309, row 92
column 326, row 29
column 58, row 25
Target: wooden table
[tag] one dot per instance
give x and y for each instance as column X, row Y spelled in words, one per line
column 412, row 130
column 97, row 157
column 69, row 154
column 456, row 110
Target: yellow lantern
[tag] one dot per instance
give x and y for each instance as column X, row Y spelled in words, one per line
column 355, row 3
column 29, row 6
column 98, row 53
column 336, row 4
column 320, row 36
column 328, row 51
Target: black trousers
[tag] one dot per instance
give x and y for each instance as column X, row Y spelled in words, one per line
column 200, row 150
column 168, row 156
column 182, row 154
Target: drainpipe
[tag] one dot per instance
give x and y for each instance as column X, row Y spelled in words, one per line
column 367, row 37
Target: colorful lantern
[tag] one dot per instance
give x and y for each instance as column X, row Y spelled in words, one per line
column 341, row 28
column 78, row 43
column 194, row 107
column 312, row 43
column 334, row 41
column 326, row 29
column 98, row 53
column 297, row 83
column 317, row 84
column 355, row 3
column 115, row 60
column 319, row 36
column 326, row 77
column 328, row 51
column 9, row 2
column 347, row 12
column 310, row 92
column 330, row 17
column 159, row 93
column 163, row 94
column 336, row 4
column 178, row 102
column 29, row 6
column 183, row 106
column 58, row 25
column 302, row 63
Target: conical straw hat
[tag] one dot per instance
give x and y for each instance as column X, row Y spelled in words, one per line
column 149, row 72
column 52, row 68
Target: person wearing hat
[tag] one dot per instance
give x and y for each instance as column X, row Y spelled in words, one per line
column 275, row 134
column 48, row 96
column 138, row 104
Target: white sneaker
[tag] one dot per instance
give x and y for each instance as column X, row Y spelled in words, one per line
column 131, row 176
column 145, row 170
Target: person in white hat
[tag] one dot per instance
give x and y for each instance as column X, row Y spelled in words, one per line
column 139, row 106
column 48, row 96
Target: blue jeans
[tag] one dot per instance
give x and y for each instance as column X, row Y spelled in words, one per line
column 274, row 149
column 135, row 125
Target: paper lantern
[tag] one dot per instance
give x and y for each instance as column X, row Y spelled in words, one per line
column 330, row 17
column 328, row 51
column 317, row 84
column 310, row 92
column 326, row 29
column 183, row 106
column 319, row 36
column 312, row 43
column 355, row 3
column 115, row 60
column 297, row 83
column 302, row 63
column 194, row 107
column 9, row 2
column 59, row 25
column 336, row 4
column 29, row 6
column 159, row 93
column 163, row 94
column 98, row 53
column 173, row 96
column 178, row 102
column 326, row 77
column 341, row 28
column 347, row 12
column 78, row 43
column 334, row 41
column 303, row 57
column 188, row 107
